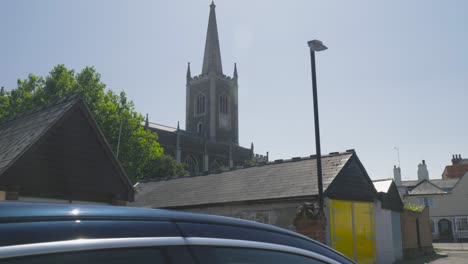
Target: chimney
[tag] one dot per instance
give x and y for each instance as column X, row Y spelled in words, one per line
column 397, row 175
column 456, row 159
column 423, row 173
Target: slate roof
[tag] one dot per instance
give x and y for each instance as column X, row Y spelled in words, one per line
column 445, row 184
column 382, row 185
column 388, row 194
column 280, row 179
column 425, row 187
column 160, row 127
column 20, row 133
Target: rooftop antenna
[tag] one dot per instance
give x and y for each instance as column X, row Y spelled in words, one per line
column 398, row 155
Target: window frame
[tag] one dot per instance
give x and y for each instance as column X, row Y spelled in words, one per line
column 82, row 245
column 200, row 105
column 234, row 243
column 223, row 104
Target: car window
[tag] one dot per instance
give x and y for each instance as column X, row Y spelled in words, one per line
column 226, row 255
column 114, row 256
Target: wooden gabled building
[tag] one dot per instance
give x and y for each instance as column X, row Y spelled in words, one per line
column 59, row 154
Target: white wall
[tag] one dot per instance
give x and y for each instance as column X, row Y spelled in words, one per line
column 396, row 235
column 383, row 234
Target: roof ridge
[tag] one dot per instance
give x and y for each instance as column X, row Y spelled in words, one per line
column 37, row 109
column 388, row 179
column 245, row 166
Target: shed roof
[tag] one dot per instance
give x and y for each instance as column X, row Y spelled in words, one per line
column 50, row 149
column 275, row 180
column 22, row 131
column 382, row 185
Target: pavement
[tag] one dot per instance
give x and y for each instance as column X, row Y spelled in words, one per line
column 450, row 246
column 453, row 253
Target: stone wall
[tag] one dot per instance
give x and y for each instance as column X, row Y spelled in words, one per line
column 281, row 214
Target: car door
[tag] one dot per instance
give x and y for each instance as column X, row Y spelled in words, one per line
column 154, row 250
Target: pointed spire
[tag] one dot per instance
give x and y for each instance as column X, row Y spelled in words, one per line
column 146, row 122
column 235, row 71
column 189, row 74
column 212, row 57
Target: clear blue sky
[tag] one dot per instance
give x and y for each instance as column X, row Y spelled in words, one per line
column 395, row 74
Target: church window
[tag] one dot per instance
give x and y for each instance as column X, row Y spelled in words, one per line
column 217, row 165
column 201, row 104
column 191, row 165
column 462, row 224
column 199, row 128
column 223, row 104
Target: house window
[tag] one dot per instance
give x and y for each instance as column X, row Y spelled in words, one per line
column 462, row 224
column 201, row 104
column 223, row 104
column 426, row 201
column 432, row 226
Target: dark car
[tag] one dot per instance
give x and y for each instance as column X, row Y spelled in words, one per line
column 73, row 233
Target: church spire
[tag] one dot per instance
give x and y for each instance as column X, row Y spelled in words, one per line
column 189, row 74
column 212, row 57
column 235, row 71
column 146, row 122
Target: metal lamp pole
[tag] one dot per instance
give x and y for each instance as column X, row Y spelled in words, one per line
column 317, row 45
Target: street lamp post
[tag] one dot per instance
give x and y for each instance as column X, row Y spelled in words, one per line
column 317, row 45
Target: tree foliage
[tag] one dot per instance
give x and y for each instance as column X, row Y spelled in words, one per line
column 138, row 149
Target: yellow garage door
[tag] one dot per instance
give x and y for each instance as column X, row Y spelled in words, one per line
column 352, row 229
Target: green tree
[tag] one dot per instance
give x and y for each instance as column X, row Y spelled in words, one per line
column 138, row 149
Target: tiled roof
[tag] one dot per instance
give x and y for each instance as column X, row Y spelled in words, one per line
column 426, row 187
column 21, row 132
column 280, row 179
column 382, row 185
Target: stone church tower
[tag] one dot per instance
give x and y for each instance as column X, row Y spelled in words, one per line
column 211, row 97
column 210, row 141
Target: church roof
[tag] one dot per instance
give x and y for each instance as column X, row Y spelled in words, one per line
column 275, row 180
column 161, row 127
column 212, row 57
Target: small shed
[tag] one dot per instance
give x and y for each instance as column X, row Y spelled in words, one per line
column 283, row 193
column 416, row 231
column 58, row 154
column 388, row 210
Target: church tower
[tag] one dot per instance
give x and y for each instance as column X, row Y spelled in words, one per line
column 211, row 97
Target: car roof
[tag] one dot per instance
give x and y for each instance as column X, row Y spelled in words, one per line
column 32, row 212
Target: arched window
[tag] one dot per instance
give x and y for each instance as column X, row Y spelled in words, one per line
column 201, row 104
column 217, row 165
column 223, row 104
column 200, row 128
column 191, row 165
